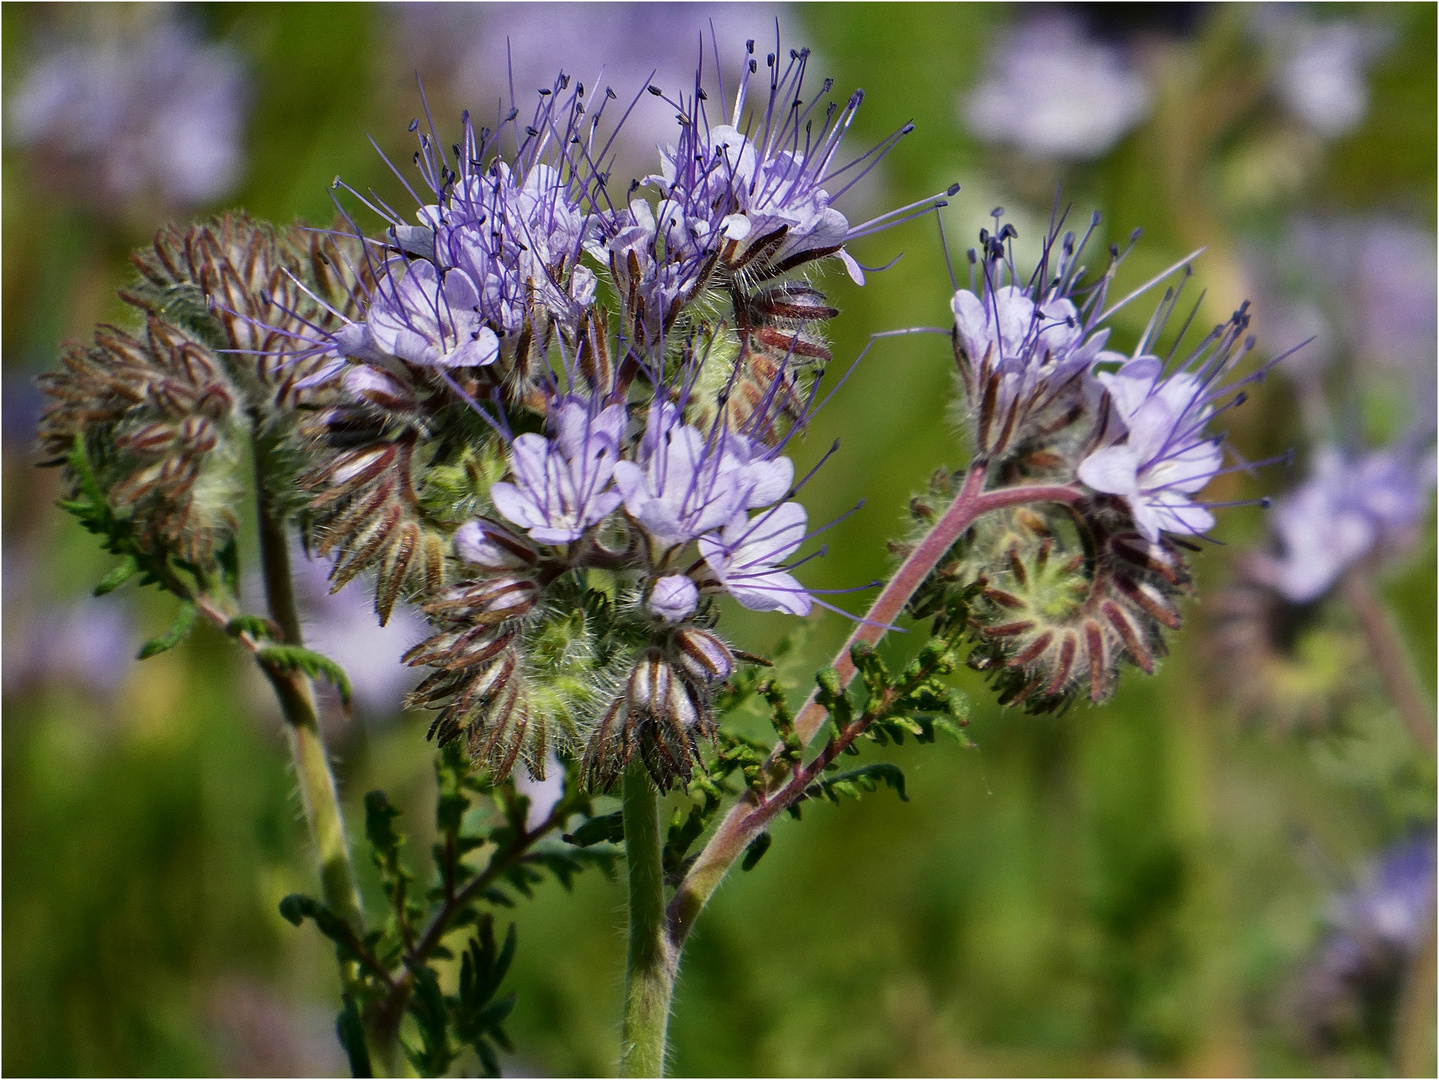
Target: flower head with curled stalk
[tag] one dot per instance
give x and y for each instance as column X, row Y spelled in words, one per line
column 1025, row 346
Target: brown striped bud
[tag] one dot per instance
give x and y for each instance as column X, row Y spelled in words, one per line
column 660, row 715
column 704, row 657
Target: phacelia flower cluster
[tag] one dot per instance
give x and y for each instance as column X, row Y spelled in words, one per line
column 559, row 424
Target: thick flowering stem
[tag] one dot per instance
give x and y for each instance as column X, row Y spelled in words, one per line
column 1391, row 658
column 297, row 702
column 649, row 973
column 748, row 817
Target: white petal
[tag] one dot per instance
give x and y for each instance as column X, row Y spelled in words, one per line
column 1111, row 470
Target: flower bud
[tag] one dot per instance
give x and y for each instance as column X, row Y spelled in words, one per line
column 704, row 657
column 490, row 547
column 673, row 598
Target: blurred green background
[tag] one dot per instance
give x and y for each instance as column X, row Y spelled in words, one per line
column 1132, row 889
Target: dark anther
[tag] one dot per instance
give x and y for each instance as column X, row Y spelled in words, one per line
column 511, row 115
column 769, row 60
column 826, row 86
column 1265, row 501
column 753, row 67
column 984, row 237
column 749, row 45
column 545, row 93
column 414, row 125
column 532, row 132
column 1114, row 251
column 655, row 90
column 702, row 95
column 953, row 189
column 610, row 94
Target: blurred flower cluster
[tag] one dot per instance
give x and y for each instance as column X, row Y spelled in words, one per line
column 156, row 111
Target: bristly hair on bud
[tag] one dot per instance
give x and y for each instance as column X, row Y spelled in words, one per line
column 163, row 428
column 166, row 415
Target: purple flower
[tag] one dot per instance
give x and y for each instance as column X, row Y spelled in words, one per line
column 755, row 192
column 1165, row 456
column 518, row 236
column 1377, row 928
column 429, row 318
column 747, row 556
column 1347, row 508
column 1320, row 74
column 673, row 598
column 1054, row 93
column 1022, row 355
column 686, row 484
column 561, row 484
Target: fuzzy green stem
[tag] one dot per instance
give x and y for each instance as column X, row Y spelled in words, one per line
column 748, row 817
column 649, row 972
column 297, row 702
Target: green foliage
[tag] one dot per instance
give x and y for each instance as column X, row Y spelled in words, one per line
column 179, row 630
column 852, row 782
column 398, row 966
column 299, row 658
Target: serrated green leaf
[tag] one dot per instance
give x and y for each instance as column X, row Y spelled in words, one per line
column 179, row 630
column 755, row 851
column 608, row 828
column 127, row 569
column 867, row 777
column 380, row 824
column 257, row 626
column 299, row 658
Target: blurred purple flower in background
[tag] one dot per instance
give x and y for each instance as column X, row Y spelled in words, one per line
column 157, row 111
column 1319, row 67
column 1052, row 91
column 1377, row 302
column 1348, row 508
column 342, row 627
column 1375, row 929
column 89, row 644
column 481, row 51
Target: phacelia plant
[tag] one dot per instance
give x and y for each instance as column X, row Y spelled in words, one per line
column 556, row 419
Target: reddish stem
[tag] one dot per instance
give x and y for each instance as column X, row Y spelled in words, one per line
column 748, row 817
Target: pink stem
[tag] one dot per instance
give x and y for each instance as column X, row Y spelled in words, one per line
column 748, row 817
